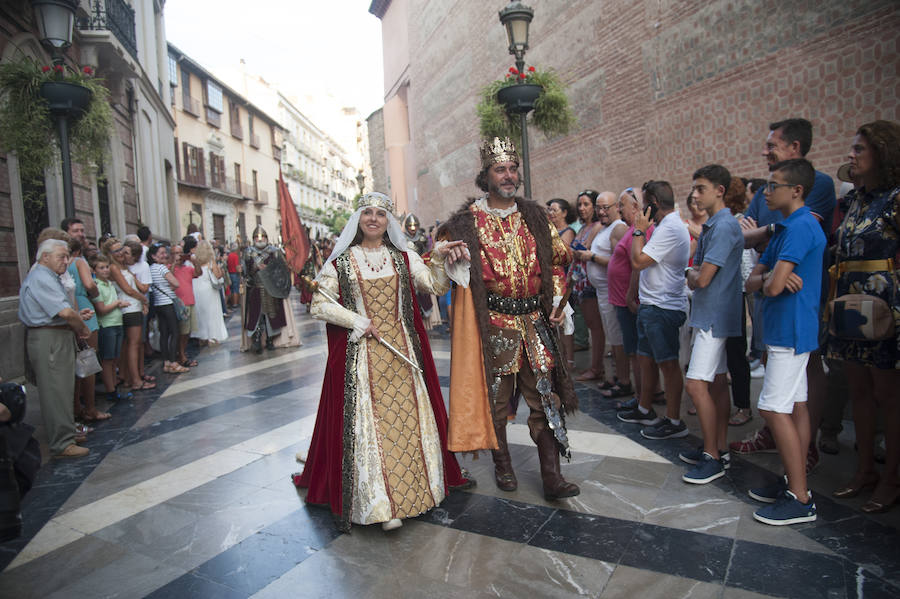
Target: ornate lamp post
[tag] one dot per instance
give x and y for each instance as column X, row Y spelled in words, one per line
column 519, row 99
column 55, row 20
column 361, row 181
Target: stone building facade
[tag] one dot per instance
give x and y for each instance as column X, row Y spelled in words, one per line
column 658, row 88
column 124, row 42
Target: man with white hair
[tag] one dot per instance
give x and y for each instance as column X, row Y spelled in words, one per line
column 45, row 310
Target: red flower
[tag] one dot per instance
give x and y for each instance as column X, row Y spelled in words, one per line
column 45, row 69
column 521, row 75
column 88, row 71
column 58, row 68
column 513, row 70
column 531, row 69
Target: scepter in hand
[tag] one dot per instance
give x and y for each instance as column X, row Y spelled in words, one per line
column 314, row 287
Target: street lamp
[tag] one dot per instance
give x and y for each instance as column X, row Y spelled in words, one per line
column 55, row 20
column 519, row 99
column 516, row 17
column 361, row 181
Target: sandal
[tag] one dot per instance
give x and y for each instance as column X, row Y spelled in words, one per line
column 149, row 378
column 176, row 369
column 606, row 385
column 188, row 363
column 144, row 386
column 589, row 375
column 617, row 390
column 741, row 417
column 97, row 416
column 83, row 429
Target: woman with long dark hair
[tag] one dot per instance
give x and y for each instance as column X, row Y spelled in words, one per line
column 163, row 288
column 584, row 296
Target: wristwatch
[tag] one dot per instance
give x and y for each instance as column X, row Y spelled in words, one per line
column 637, row 233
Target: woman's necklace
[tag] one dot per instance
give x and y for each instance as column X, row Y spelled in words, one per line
column 380, row 251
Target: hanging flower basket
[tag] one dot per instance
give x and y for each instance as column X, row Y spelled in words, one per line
column 30, row 93
column 503, row 100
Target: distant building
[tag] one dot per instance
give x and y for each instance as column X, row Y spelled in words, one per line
column 228, row 155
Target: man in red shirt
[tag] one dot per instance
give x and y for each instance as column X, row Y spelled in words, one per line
column 234, row 273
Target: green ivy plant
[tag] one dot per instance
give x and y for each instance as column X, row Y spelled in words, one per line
column 27, row 128
column 552, row 114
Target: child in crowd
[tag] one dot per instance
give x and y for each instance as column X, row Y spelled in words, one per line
column 109, row 314
column 716, row 315
column 790, row 276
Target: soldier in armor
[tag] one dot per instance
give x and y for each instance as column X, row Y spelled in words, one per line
column 418, row 241
column 268, row 283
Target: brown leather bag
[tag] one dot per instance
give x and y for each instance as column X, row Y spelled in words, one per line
column 860, row 317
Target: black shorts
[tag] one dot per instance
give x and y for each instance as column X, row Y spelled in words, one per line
column 132, row 319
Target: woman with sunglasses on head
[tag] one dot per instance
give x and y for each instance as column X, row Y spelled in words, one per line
column 584, row 296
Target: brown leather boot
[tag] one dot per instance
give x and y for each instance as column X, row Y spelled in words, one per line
column 555, row 486
column 503, row 471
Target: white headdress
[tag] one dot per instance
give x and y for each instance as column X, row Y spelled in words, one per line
column 394, row 231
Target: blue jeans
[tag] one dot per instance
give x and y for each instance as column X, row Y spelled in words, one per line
column 657, row 332
column 628, row 325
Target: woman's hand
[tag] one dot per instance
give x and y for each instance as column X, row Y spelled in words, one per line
column 454, row 251
column 583, row 255
column 371, row 332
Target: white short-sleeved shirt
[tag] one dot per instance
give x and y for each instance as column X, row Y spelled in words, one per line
column 662, row 285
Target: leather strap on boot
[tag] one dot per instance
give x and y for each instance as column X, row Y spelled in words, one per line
column 555, row 486
column 503, row 471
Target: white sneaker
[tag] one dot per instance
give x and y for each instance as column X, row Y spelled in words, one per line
column 392, row 524
column 758, row 372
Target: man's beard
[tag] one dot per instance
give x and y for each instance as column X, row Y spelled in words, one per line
column 495, row 189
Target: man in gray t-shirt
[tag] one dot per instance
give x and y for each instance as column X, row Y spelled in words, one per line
column 716, row 315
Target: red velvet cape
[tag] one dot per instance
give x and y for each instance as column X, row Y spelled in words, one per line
column 322, row 474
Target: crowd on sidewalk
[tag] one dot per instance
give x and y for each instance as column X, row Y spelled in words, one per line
column 815, row 277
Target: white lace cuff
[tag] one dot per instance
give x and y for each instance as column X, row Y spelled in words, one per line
column 360, row 324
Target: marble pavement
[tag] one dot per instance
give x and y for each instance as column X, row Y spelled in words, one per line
column 187, row 493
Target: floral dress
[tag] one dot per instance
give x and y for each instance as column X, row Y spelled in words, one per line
column 581, row 286
column 870, row 231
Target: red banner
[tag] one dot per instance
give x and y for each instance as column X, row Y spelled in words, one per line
column 293, row 234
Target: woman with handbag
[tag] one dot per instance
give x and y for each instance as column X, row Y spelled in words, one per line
column 864, row 314
column 208, row 306
column 163, row 303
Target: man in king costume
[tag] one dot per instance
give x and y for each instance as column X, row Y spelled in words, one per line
column 503, row 331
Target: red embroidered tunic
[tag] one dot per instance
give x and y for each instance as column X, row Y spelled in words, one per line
column 510, row 268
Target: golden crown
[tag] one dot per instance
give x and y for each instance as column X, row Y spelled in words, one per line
column 379, row 200
column 498, row 150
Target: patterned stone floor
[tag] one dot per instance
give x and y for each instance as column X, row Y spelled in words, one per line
column 187, row 493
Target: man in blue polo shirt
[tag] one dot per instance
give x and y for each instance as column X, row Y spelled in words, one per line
column 787, row 139
column 790, row 277
column 716, row 316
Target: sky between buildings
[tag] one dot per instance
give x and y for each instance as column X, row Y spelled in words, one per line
column 304, row 47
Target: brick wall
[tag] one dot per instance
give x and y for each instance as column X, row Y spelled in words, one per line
column 658, row 88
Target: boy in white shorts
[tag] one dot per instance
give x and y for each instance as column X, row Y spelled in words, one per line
column 790, row 276
column 716, row 314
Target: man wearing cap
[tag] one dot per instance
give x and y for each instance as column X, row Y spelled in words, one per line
column 508, row 301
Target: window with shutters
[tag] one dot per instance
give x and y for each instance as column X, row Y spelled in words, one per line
column 216, row 171
column 242, row 226
column 214, row 107
column 234, row 118
column 254, row 138
column 188, row 104
column 173, row 71
column 254, row 176
column 193, row 165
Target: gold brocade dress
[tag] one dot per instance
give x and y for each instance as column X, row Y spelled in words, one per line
column 398, row 469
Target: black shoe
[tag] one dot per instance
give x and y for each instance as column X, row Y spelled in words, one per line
column 635, row 416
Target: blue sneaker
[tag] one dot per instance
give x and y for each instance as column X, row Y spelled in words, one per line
column 636, row 417
column 694, row 456
column 770, row 493
column 631, row 404
column 787, row 510
column 707, row 470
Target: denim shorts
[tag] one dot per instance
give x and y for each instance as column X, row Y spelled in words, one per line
column 657, row 332
column 235, row 282
column 628, row 326
column 110, row 342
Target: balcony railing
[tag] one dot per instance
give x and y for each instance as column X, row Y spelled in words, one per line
column 198, row 179
column 226, row 184
column 115, row 16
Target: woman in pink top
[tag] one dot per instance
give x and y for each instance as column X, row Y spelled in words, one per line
column 185, row 272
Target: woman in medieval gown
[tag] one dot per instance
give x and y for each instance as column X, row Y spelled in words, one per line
column 379, row 449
